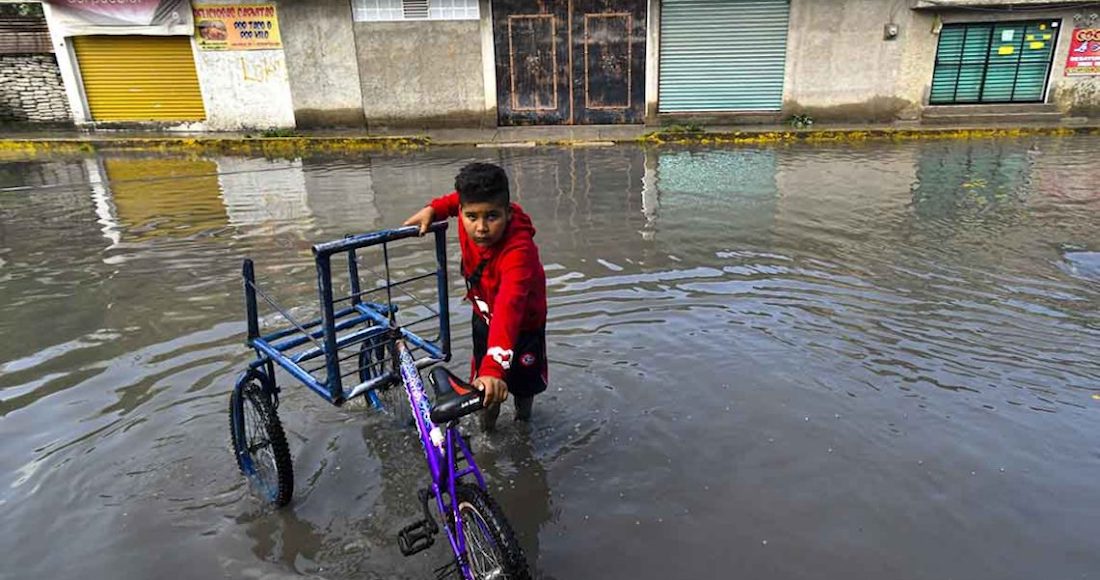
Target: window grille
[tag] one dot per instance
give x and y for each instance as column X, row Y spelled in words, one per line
column 389, row 10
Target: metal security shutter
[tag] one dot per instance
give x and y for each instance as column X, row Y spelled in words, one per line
column 722, row 55
column 1006, row 62
column 139, row 78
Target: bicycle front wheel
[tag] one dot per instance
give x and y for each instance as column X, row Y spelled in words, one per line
column 492, row 550
column 259, row 443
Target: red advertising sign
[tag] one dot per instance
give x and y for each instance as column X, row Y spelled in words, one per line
column 1084, row 52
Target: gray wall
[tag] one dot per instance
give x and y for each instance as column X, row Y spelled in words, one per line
column 839, row 67
column 31, row 90
column 422, row 74
column 319, row 44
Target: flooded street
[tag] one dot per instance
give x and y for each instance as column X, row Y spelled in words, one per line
column 799, row 362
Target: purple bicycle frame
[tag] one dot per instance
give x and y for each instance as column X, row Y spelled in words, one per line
column 439, row 451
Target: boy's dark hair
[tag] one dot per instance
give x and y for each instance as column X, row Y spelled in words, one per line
column 482, row 182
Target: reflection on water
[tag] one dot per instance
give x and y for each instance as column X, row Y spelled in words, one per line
column 803, row 361
column 964, row 185
column 164, row 197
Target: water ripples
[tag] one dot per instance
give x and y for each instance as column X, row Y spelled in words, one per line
column 714, row 315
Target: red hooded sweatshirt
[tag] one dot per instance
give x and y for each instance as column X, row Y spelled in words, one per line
column 511, row 292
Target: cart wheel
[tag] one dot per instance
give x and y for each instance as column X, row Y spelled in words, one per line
column 374, row 361
column 259, row 442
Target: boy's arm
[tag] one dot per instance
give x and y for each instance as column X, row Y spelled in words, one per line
column 439, row 208
column 508, row 311
column 445, row 206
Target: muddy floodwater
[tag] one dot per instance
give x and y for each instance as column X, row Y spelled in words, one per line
column 874, row 361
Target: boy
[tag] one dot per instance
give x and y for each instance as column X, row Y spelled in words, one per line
column 505, row 284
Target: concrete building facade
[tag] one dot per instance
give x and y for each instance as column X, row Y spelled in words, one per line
column 319, row 43
column 842, row 66
column 430, row 63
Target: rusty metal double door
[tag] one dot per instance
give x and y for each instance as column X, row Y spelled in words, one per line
column 570, row 62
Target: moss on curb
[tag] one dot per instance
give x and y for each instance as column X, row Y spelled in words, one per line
column 258, row 146
column 826, row 135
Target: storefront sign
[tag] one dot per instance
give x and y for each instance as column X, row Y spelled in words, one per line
column 1084, row 52
column 122, row 17
column 236, row 27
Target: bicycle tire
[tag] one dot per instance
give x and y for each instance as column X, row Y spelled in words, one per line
column 391, row 397
column 259, row 443
column 491, row 546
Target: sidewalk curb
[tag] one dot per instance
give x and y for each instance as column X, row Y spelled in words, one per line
column 320, row 144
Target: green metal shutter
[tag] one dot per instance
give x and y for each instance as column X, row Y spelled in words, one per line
column 1005, row 62
column 1036, row 55
column 722, row 55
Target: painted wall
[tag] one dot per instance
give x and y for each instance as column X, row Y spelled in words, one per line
column 1077, row 95
column 423, row 73
column 319, row 43
column 244, row 89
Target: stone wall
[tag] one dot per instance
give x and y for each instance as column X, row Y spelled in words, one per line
column 31, row 90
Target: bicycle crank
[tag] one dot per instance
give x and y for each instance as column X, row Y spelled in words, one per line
column 419, row 535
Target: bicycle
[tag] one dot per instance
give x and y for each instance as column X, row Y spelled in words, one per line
column 481, row 539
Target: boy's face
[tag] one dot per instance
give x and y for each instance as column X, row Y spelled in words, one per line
column 485, row 222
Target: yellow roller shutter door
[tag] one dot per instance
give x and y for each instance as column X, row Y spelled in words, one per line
column 139, row 78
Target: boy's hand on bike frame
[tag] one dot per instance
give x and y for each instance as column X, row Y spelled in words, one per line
column 496, row 390
column 422, row 218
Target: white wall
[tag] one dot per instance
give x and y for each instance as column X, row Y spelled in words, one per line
column 244, row 89
column 247, row 89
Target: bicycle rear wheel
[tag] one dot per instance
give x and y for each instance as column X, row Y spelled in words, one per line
column 259, row 443
column 492, row 550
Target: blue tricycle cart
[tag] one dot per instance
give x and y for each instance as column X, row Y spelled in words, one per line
column 362, row 346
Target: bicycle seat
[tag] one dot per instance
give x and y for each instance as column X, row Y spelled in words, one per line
column 454, row 397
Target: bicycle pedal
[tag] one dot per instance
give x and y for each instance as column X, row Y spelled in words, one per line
column 416, row 537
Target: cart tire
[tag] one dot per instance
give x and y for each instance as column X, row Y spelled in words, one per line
column 259, row 442
column 491, row 546
column 391, row 398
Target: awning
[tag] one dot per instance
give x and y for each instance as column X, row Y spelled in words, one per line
column 133, row 17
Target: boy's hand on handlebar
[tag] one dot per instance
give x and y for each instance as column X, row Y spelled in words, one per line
column 422, row 218
column 496, row 390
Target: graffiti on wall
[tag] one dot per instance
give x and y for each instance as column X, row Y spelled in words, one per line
column 262, row 69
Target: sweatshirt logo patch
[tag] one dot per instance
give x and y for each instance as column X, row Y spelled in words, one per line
column 527, row 359
column 503, row 357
